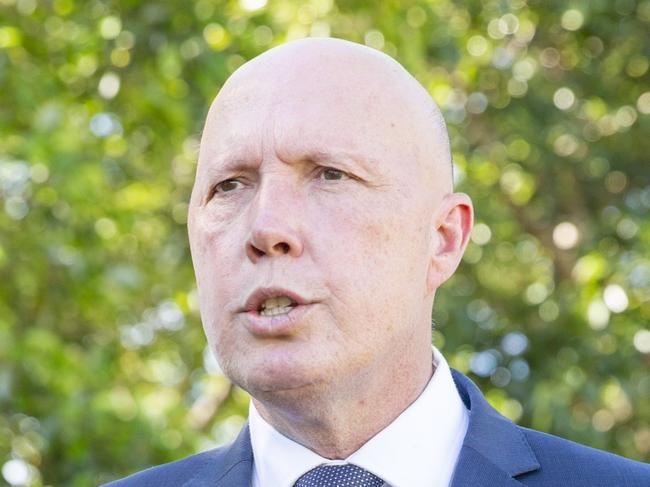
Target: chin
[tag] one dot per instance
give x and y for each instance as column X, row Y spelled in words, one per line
column 272, row 379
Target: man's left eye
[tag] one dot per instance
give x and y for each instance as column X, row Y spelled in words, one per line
column 226, row 186
column 331, row 174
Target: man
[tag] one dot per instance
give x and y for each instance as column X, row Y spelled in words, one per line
column 321, row 223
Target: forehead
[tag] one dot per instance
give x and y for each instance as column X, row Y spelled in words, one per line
column 307, row 118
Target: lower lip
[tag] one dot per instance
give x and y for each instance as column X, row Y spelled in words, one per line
column 278, row 325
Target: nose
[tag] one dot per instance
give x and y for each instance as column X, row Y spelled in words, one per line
column 275, row 222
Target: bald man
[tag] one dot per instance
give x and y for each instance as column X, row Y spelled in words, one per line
column 321, row 223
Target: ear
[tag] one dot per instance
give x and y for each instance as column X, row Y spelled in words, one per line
column 452, row 226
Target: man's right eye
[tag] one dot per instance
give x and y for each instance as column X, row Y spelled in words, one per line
column 225, row 186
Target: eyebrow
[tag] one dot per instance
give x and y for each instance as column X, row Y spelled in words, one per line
column 350, row 159
column 218, row 166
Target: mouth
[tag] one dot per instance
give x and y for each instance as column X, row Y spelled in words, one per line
column 275, row 312
column 280, row 305
column 273, row 301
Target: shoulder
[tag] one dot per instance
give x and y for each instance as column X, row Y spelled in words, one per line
column 564, row 462
column 533, row 458
column 171, row 474
column 227, row 465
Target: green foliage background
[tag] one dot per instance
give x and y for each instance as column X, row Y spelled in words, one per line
column 103, row 368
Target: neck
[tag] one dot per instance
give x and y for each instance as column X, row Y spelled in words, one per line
column 336, row 423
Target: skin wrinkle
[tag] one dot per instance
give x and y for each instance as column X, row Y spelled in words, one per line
column 370, row 250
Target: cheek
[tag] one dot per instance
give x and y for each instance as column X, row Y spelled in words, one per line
column 388, row 237
column 375, row 251
column 209, row 242
column 214, row 265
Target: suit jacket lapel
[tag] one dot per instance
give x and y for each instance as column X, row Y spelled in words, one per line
column 474, row 469
column 494, row 451
column 233, row 467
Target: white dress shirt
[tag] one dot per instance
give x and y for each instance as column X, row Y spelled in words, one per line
column 418, row 449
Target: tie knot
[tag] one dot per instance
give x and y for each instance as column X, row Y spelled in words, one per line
column 338, row 476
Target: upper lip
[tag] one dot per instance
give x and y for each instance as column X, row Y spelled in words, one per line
column 260, row 295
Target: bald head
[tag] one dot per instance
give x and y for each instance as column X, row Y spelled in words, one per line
column 352, row 82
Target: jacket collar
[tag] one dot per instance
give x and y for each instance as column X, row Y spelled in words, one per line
column 231, row 466
column 494, row 450
column 493, row 453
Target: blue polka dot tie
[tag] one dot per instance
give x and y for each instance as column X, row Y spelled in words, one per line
column 338, row 476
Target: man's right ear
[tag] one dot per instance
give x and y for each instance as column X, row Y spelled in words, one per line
column 452, row 226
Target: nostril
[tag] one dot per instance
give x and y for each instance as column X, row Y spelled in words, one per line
column 272, row 244
column 283, row 246
column 256, row 251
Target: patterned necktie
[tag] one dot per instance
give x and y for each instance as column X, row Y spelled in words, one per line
column 338, row 476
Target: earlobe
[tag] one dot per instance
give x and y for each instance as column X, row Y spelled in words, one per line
column 452, row 227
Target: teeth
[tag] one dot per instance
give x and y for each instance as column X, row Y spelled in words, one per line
column 276, row 306
column 276, row 311
column 277, row 301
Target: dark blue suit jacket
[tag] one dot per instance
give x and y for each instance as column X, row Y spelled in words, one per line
column 496, row 452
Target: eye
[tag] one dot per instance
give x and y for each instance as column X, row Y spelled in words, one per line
column 331, row 174
column 226, row 186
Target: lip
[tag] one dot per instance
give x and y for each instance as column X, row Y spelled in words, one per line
column 258, row 296
column 279, row 325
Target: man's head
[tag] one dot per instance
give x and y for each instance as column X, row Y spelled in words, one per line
column 324, row 170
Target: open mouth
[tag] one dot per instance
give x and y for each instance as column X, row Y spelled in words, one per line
column 280, row 305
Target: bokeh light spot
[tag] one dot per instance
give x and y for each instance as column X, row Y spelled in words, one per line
column 216, row 36
column 477, row 102
column 572, row 19
column 603, row 420
column 643, row 103
column 104, row 124
column 549, row 57
column 627, row 228
column 615, row 298
column 252, row 5
column 416, row 16
column 565, row 235
column 484, row 363
column 637, row 66
column 536, row 293
column 625, row 116
column 598, row 315
column 565, row 145
column 549, row 311
column 481, row 234
column 642, row 341
column 110, row 27
column 514, row 343
column 16, row 472
column 477, row 45
column 525, row 69
column 105, row 228
column 109, row 85
column 494, row 29
column 519, row 369
column 374, row 39
column 615, row 181
column 563, row 98
column 508, row 24
column 9, row 37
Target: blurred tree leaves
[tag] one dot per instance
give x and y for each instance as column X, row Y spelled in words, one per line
column 104, row 369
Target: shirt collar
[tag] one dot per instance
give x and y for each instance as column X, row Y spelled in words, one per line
column 278, row 460
column 419, row 448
